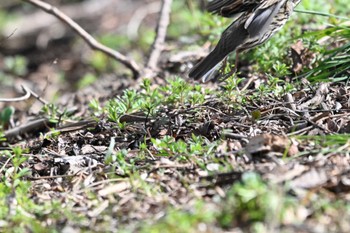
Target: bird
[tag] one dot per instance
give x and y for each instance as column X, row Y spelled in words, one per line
column 256, row 21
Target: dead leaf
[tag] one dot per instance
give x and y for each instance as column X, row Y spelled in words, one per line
column 266, row 143
column 115, row 188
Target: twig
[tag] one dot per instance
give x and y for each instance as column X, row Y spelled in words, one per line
column 4, row 165
column 139, row 16
column 18, row 99
column 94, row 44
column 40, row 99
column 157, row 46
column 8, row 37
column 36, row 125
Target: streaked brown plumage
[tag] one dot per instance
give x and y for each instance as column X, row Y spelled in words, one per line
column 257, row 22
column 230, row 8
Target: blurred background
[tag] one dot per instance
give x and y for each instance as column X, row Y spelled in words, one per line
column 37, row 49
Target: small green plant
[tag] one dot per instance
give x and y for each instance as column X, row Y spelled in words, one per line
column 274, row 86
column 16, row 172
column 181, row 220
column 149, row 100
column 52, row 112
column 180, row 93
column 18, row 210
column 96, row 107
column 86, row 80
column 17, row 65
column 168, row 146
column 252, row 201
column 121, row 164
column 117, row 160
column 231, row 84
column 128, row 103
column 6, row 115
column 14, row 202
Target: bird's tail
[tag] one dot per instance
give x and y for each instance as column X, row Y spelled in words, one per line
column 205, row 68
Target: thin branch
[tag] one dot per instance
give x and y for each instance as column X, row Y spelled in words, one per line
column 94, row 44
column 18, row 99
column 37, row 125
column 162, row 27
column 8, row 37
column 139, row 16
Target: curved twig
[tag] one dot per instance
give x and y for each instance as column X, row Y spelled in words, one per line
column 94, row 44
column 18, row 99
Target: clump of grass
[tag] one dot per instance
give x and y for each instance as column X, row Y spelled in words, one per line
column 335, row 64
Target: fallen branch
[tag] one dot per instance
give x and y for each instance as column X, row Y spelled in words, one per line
column 94, row 44
column 35, row 126
column 161, row 32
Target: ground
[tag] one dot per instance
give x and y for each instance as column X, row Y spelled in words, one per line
column 89, row 148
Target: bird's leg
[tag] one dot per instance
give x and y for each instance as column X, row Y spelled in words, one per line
column 223, row 66
column 237, row 60
column 234, row 70
column 220, row 75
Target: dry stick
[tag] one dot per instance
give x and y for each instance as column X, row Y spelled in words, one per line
column 8, row 37
column 22, row 98
column 94, row 44
column 162, row 27
column 37, row 125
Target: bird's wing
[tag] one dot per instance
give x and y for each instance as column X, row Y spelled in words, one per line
column 233, row 36
column 260, row 20
column 230, row 8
